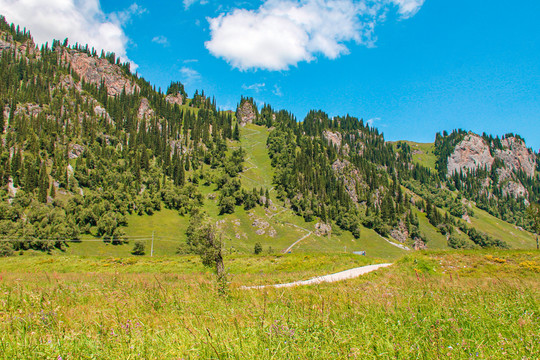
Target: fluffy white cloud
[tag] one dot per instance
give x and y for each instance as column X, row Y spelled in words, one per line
column 81, row 21
column 282, row 33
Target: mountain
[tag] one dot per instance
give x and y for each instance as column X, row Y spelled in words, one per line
column 91, row 151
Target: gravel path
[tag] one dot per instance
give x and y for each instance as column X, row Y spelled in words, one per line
column 343, row 275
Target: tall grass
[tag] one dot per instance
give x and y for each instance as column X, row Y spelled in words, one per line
column 423, row 307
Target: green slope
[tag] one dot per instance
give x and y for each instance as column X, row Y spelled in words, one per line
column 422, row 153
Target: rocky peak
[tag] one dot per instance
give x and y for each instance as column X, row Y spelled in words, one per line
column 516, row 156
column 95, row 70
column 471, row 153
column 246, row 113
column 474, row 152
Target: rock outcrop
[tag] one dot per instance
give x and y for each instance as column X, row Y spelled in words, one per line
column 246, row 113
column 350, row 176
column 333, row 138
column 145, row 111
column 323, row 229
column 95, row 71
column 471, row 153
column 474, row 152
column 175, row 99
column 516, row 156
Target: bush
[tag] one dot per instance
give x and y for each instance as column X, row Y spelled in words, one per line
column 139, row 248
column 258, row 248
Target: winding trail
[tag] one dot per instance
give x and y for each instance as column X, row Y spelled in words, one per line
column 343, row 275
column 296, row 242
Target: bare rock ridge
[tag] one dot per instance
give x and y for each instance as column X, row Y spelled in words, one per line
column 95, row 70
column 474, row 152
column 246, row 113
column 470, row 154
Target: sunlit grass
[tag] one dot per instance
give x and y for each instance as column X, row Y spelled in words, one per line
column 427, row 306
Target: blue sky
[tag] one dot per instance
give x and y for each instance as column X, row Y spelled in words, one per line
column 411, row 67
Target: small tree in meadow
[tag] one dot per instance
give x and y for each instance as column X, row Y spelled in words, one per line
column 204, row 240
column 139, row 248
column 258, row 248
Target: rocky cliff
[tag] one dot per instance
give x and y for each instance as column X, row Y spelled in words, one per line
column 474, row 152
column 470, row 154
column 246, row 113
column 509, row 155
column 96, row 70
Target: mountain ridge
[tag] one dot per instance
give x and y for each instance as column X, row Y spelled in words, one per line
column 86, row 143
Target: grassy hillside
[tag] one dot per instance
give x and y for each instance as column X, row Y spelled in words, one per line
column 516, row 237
column 427, row 305
column 422, row 153
column 281, row 226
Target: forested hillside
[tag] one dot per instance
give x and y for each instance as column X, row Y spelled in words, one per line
column 86, row 144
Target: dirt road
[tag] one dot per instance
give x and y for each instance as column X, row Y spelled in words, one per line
column 343, row 275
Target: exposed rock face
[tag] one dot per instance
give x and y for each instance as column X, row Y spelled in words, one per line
column 350, row 176
column 400, row 233
column 67, row 82
column 322, row 229
column 94, row 70
column 333, row 137
column 473, row 152
column 516, row 156
column 75, row 151
column 7, row 43
column 175, row 99
column 28, row 110
column 99, row 111
column 145, row 111
column 514, row 189
column 470, row 154
column 246, row 113
column 419, row 244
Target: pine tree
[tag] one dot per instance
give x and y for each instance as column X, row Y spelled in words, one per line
column 236, row 132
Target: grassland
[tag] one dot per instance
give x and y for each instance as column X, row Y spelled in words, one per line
column 426, row 306
column 283, row 226
column 422, row 153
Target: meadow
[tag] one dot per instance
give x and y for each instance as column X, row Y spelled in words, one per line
column 428, row 305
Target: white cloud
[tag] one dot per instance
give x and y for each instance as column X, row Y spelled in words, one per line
column 282, row 33
column 254, row 87
column 81, row 21
column 189, row 75
column 162, row 40
column 188, row 3
column 408, row 8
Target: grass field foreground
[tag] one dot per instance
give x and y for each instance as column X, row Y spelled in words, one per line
column 426, row 306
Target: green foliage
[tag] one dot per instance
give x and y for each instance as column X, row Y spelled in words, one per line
column 139, row 248
column 257, row 248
